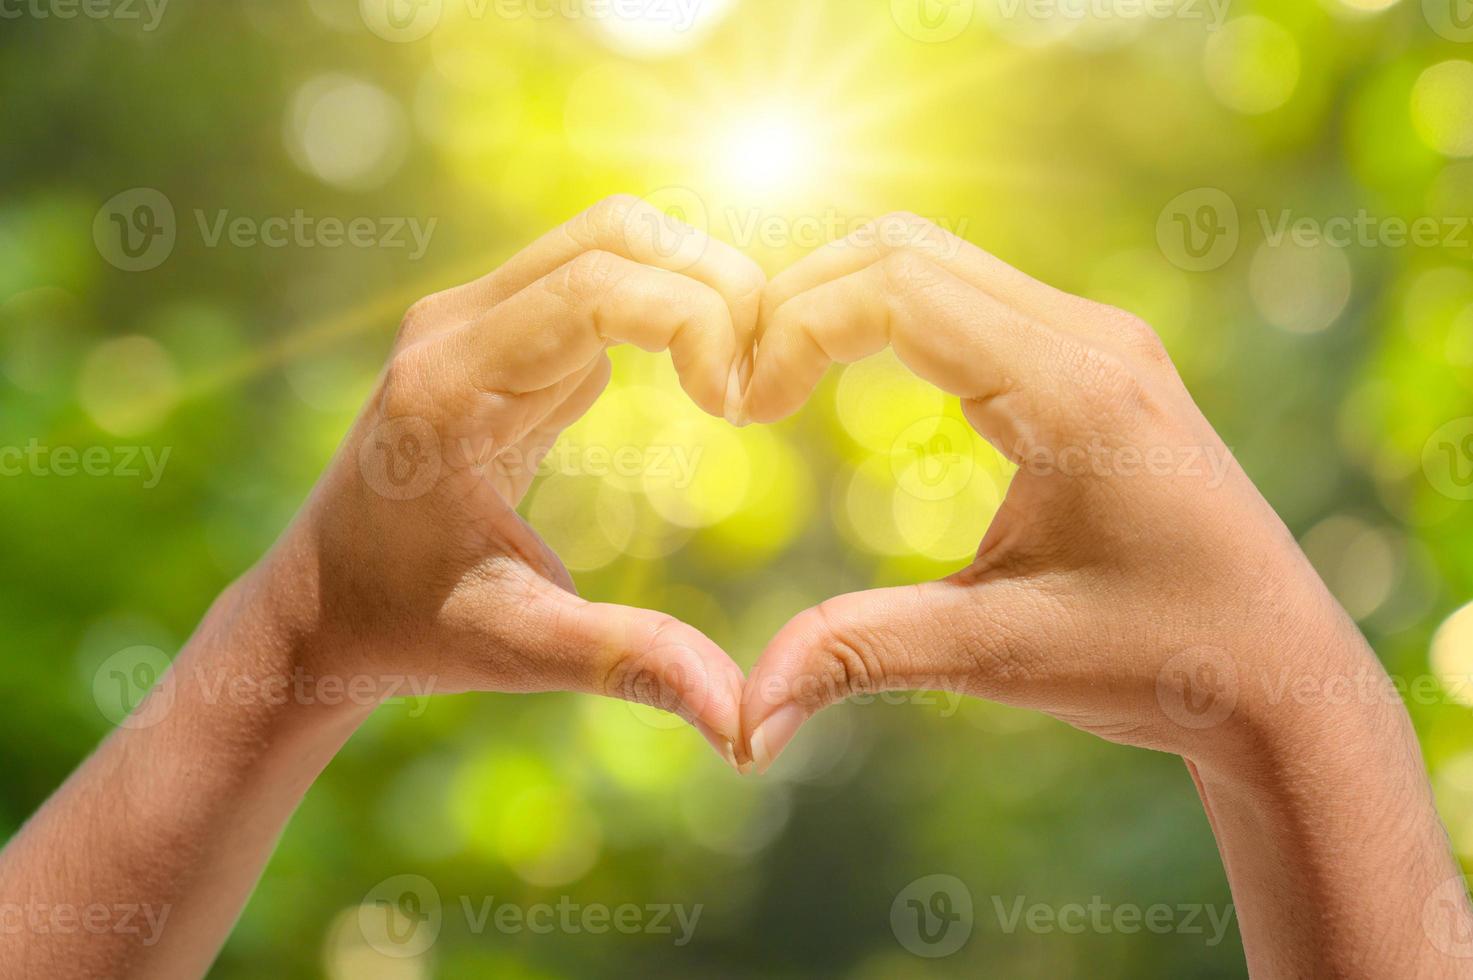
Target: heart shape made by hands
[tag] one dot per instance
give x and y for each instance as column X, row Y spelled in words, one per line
column 1096, row 593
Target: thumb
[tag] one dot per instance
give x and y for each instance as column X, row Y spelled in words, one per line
column 640, row 656
column 919, row 637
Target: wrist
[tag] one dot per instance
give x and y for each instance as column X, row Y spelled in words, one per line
column 260, row 659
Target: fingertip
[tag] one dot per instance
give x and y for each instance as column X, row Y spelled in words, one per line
column 724, row 747
column 773, row 735
column 703, row 684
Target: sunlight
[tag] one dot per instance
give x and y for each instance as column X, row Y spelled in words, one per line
column 657, row 27
column 766, row 152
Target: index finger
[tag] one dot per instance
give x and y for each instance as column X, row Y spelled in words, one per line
column 632, row 229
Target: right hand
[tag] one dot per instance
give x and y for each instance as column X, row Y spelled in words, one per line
column 1134, row 583
column 409, row 560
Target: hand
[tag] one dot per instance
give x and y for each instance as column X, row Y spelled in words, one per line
column 410, row 560
column 1133, row 569
column 1133, row 584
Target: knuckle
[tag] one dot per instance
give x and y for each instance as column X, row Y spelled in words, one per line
column 845, row 661
column 1134, row 333
column 418, row 320
column 899, row 229
column 708, row 306
column 406, row 385
column 637, row 674
column 745, row 280
column 608, row 216
column 1111, row 390
column 637, row 680
column 589, row 274
column 906, row 270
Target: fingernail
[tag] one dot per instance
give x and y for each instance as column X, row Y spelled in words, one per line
column 773, row 735
column 733, row 388
column 736, row 389
column 721, row 744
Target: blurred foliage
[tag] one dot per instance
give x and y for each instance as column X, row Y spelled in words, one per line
column 1054, row 142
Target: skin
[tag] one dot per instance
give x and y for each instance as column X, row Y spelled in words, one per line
column 421, row 572
column 1165, row 607
column 1116, row 601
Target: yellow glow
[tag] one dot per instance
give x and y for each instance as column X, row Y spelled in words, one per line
column 1252, row 65
column 1452, row 654
column 697, row 471
column 347, row 955
column 586, row 521
column 514, row 807
column 766, row 150
column 778, row 503
column 878, row 398
column 1442, row 108
column 653, row 29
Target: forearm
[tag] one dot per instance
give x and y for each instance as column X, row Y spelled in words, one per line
column 1330, row 838
column 160, row 836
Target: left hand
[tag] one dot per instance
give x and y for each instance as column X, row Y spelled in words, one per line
column 1136, row 562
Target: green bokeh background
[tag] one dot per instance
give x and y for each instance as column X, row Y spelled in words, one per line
column 1057, row 143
